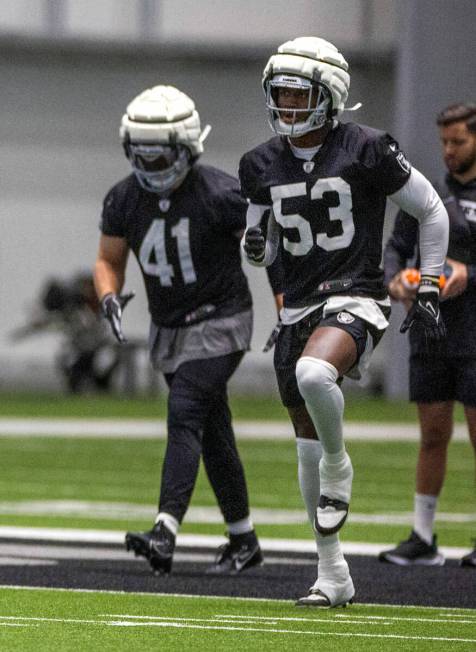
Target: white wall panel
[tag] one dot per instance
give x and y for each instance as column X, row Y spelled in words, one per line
column 251, row 21
column 350, row 23
column 22, row 16
column 103, row 19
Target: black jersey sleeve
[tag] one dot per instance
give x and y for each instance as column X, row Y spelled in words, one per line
column 250, row 180
column 401, row 246
column 229, row 208
column 113, row 214
column 387, row 165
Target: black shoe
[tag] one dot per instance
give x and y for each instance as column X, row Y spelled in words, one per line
column 470, row 558
column 414, row 552
column 157, row 546
column 241, row 552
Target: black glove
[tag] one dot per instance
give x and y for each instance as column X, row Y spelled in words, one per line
column 425, row 311
column 271, row 341
column 112, row 306
column 255, row 244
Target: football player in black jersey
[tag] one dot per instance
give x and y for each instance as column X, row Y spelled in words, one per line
column 317, row 194
column 437, row 381
column 183, row 222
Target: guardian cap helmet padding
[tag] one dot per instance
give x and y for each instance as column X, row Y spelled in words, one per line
column 162, row 137
column 306, row 62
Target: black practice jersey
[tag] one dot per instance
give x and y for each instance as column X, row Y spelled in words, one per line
column 186, row 246
column 330, row 210
column 402, row 250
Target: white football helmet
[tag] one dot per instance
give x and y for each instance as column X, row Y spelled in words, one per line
column 162, row 138
column 308, row 63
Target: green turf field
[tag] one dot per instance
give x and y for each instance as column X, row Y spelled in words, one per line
column 85, row 483
column 37, row 620
column 128, row 472
column 358, row 408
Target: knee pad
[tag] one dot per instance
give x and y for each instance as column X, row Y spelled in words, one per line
column 314, row 375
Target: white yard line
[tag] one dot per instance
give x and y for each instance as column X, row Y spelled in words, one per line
column 108, row 537
column 156, row 429
column 212, row 624
column 367, row 620
column 17, row 625
column 251, row 620
column 102, row 510
column 159, row 596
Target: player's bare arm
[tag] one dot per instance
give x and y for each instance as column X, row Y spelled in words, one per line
column 109, row 275
column 110, row 267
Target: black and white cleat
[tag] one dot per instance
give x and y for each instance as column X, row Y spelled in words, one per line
column 316, row 598
column 331, row 515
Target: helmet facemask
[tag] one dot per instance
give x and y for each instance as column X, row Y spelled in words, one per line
column 159, row 168
column 296, row 105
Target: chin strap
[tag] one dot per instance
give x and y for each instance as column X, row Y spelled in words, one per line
column 205, row 133
column 356, row 107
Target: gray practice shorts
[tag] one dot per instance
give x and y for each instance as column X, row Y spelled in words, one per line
column 170, row 347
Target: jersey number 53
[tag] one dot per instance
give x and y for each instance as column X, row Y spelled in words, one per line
column 341, row 213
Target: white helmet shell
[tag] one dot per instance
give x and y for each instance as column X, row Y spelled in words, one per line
column 163, row 115
column 314, row 59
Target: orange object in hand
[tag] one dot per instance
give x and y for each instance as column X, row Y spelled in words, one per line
column 411, row 279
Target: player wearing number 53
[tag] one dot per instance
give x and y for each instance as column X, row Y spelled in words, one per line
column 183, row 222
column 317, row 194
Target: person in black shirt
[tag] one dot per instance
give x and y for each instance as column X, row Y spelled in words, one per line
column 183, row 221
column 317, row 193
column 449, row 375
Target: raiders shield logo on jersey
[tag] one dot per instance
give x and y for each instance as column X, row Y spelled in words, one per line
column 164, row 205
column 308, row 166
column 345, row 318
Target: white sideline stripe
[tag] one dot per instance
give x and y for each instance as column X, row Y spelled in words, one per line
column 15, row 554
column 22, row 561
column 156, row 429
column 264, row 516
column 108, row 537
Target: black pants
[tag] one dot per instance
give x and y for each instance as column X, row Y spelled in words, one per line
column 199, row 422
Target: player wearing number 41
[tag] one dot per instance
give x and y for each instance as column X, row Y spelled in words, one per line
column 317, row 194
column 183, row 222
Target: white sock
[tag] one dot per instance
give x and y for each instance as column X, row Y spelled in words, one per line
column 169, row 521
column 332, row 566
column 317, row 382
column 424, row 516
column 329, row 550
column 309, row 452
column 336, row 477
column 240, row 527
